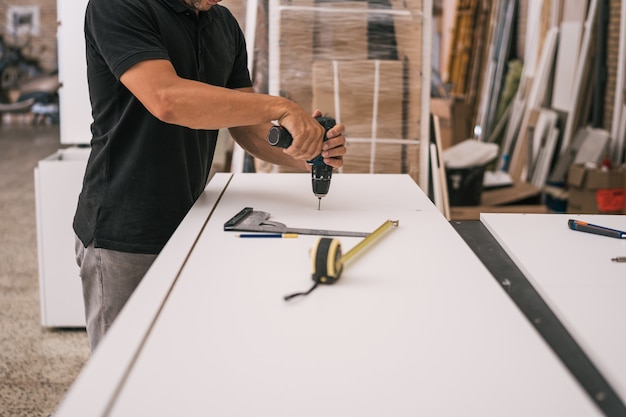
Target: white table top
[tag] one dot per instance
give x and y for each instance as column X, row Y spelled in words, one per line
column 415, row 326
column 574, row 274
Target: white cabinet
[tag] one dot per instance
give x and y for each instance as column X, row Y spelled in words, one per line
column 58, row 178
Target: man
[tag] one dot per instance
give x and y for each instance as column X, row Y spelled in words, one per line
column 163, row 76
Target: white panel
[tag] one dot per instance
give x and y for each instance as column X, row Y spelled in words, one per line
column 574, row 274
column 568, row 50
column 531, row 52
column 407, row 331
column 74, row 105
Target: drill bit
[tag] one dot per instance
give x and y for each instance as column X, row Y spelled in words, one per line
column 319, row 202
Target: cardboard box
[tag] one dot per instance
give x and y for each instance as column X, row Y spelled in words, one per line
column 367, row 96
column 341, row 31
column 410, row 38
column 452, row 116
column 594, row 191
column 382, row 158
column 297, row 26
column 363, row 88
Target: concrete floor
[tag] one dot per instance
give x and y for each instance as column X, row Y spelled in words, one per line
column 37, row 365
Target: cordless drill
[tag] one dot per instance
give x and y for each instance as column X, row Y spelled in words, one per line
column 320, row 172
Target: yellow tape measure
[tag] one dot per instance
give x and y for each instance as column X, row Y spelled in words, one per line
column 327, row 261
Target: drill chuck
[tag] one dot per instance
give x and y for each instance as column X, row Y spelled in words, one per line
column 320, row 172
column 320, row 179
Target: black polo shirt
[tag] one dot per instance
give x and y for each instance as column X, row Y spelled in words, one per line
column 143, row 175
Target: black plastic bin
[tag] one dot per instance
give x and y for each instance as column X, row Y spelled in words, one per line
column 465, row 185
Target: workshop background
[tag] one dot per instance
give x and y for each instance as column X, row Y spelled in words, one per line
column 501, row 74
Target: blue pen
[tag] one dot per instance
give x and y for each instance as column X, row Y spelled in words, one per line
column 595, row 229
column 268, row 235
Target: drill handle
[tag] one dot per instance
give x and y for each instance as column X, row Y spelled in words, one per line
column 279, row 136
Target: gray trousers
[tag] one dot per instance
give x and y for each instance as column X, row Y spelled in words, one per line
column 108, row 278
